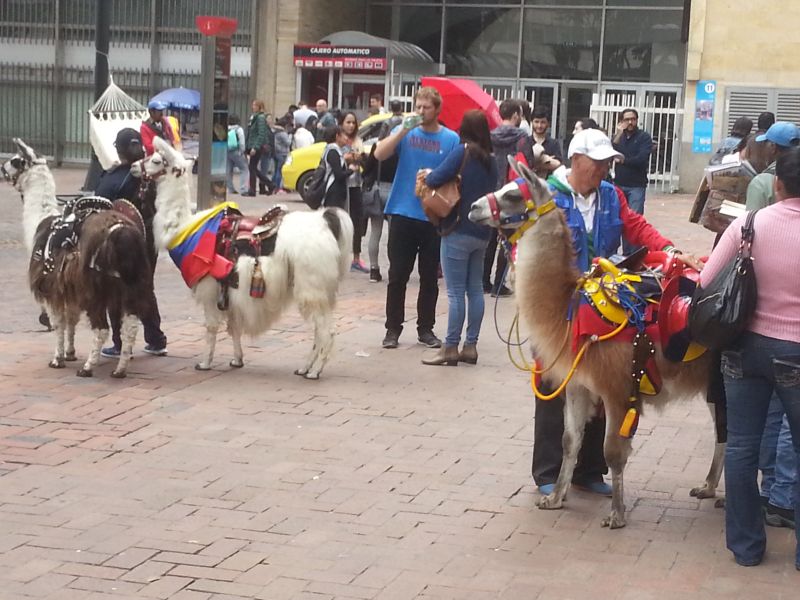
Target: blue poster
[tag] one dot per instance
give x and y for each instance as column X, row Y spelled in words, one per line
column 704, row 115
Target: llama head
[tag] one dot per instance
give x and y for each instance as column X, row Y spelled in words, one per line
column 23, row 160
column 515, row 203
column 165, row 160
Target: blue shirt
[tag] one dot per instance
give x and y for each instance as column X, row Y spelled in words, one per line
column 417, row 150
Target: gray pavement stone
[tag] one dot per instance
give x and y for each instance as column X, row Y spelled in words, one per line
column 386, row 479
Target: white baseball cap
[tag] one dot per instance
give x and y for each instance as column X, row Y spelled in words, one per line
column 594, row 144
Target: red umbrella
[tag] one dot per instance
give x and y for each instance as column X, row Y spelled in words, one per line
column 461, row 95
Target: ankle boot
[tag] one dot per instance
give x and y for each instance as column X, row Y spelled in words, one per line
column 446, row 355
column 469, row 354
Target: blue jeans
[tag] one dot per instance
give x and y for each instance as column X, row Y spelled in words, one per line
column 754, row 369
column 767, row 454
column 635, row 196
column 782, row 492
column 237, row 159
column 277, row 179
column 462, row 266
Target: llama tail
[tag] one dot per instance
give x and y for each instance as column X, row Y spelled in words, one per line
column 126, row 254
column 341, row 227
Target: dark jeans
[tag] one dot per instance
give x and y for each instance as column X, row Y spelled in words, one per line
column 151, row 321
column 357, row 216
column 488, row 261
column 265, row 182
column 548, row 429
column 635, row 197
column 754, row 369
column 409, row 238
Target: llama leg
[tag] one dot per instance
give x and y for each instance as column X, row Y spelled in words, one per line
column 100, row 338
column 237, row 362
column 616, row 449
column 709, row 488
column 323, row 344
column 59, row 325
column 578, row 406
column 72, row 322
column 211, row 342
column 130, row 323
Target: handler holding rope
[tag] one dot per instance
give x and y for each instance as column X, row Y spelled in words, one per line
column 598, row 216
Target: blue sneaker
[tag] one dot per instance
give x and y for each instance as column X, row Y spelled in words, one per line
column 150, row 349
column 359, row 266
column 547, row 488
column 110, row 352
column 601, row 488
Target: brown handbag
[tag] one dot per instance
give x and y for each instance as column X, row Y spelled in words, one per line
column 439, row 202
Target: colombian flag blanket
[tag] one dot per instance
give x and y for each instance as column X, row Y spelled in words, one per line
column 193, row 250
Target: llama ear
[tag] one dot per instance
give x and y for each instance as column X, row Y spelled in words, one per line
column 540, row 191
column 525, row 171
column 25, row 151
column 167, row 152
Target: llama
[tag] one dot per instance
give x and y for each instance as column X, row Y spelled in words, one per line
column 546, row 280
column 106, row 266
column 312, row 254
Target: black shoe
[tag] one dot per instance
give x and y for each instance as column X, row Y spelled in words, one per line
column 426, row 338
column 502, row 292
column 392, row 339
column 775, row 516
column 251, row 194
column 487, row 288
column 375, row 275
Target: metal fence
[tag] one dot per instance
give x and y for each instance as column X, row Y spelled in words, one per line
column 47, row 107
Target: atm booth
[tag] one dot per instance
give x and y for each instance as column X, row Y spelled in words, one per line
column 347, row 67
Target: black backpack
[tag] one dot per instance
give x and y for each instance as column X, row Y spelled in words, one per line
column 316, row 188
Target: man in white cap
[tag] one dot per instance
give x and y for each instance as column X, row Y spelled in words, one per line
column 598, row 215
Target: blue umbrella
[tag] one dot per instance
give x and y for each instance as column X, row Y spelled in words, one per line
column 180, row 98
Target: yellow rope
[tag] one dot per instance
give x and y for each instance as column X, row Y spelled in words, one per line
column 575, row 363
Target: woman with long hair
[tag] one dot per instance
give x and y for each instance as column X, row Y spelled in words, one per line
column 464, row 247
column 764, row 360
column 259, row 142
column 337, row 172
column 353, row 157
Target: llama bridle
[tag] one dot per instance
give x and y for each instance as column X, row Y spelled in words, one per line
column 165, row 166
column 527, row 218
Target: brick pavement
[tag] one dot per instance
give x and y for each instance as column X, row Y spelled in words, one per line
column 385, row 480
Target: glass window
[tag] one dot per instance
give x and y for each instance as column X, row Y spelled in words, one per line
column 561, row 43
column 644, row 45
column 482, row 42
column 566, row 2
column 645, row 3
column 418, row 25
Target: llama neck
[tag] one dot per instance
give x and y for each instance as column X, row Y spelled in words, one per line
column 546, row 280
column 38, row 190
column 173, row 207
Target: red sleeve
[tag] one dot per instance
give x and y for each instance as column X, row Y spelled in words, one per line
column 147, row 134
column 636, row 229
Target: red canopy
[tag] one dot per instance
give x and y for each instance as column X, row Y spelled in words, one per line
column 461, row 95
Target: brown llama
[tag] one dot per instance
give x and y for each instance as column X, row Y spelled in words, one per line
column 546, row 280
column 100, row 262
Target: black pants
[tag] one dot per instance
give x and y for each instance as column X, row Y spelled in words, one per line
column 266, row 182
column 488, row 261
column 409, row 238
column 151, row 320
column 357, row 216
column 548, row 429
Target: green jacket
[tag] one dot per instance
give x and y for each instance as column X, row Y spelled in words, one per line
column 760, row 193
column 259, row 135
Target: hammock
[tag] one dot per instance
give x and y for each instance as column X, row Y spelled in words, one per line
column 113, row 111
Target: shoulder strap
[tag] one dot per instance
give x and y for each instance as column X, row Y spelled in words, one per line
column 464, row 159
column 748, row 231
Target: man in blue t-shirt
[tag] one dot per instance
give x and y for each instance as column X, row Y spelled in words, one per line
column 420, row 142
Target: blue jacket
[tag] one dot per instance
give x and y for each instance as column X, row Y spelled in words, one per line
column 636, row 149
column 476, row 181
column 607, row 229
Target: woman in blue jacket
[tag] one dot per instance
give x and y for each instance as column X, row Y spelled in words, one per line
column 463, row 249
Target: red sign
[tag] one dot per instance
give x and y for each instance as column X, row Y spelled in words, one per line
column 218, row 26
column 354, row 58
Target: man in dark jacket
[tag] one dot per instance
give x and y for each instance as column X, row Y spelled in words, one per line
column 507, row 140
column 635, row 145
column 117, row 183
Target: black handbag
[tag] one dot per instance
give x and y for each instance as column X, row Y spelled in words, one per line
column 720, row 313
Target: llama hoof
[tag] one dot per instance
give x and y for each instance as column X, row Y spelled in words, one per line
column 719, row 503
column 56, row 363
column 119, row 374
column 84, row 372
column 549, row 502
column 70, row 356
column 237, row 363
column 702, row 492
column 312, row 376
column 201, row 367
column 614, row 521
column 301, row 372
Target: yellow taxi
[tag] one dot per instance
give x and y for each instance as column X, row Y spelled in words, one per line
column 300, row 163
